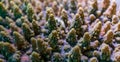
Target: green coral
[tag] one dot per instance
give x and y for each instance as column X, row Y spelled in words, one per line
column 35, row 57
column 5, row 36
column 49, row 31
column 51, row 25
column 36, row 27
column 28, row 33
column 1, row 21
column 3, row 10
column 108, row 38
column 41, row 45
column 75, row 54
column 12, row 4
column 73, row 7
column 14, row 58
column 81, row 14
column 96, row 53
column 71, row 37
column 22, row 20
column 24, row 5
column 85, row 41
column 107, row 26
column 53, row 37
column 30, row 12
column 64, row 17
column 105, row 52
column 13, row 27
column 65, row 4
column 77, row 25
column 48, row 12
column 8, row 21
column 17, row 12
column 40, row 15
column 93, row 59
column 43, row 48
column 92, row 18
column 96, row 31
column 57, row 57
column 7, row 49
column 94, row 7
column 67, row 48
column 19, row 40
column 34, row 43
column 2, row 28
column 19, row 22
column 105, row 5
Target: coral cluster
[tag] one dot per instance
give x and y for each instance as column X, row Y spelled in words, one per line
column 59, row 31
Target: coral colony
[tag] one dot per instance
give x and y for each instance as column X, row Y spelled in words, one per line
column 59, row 31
